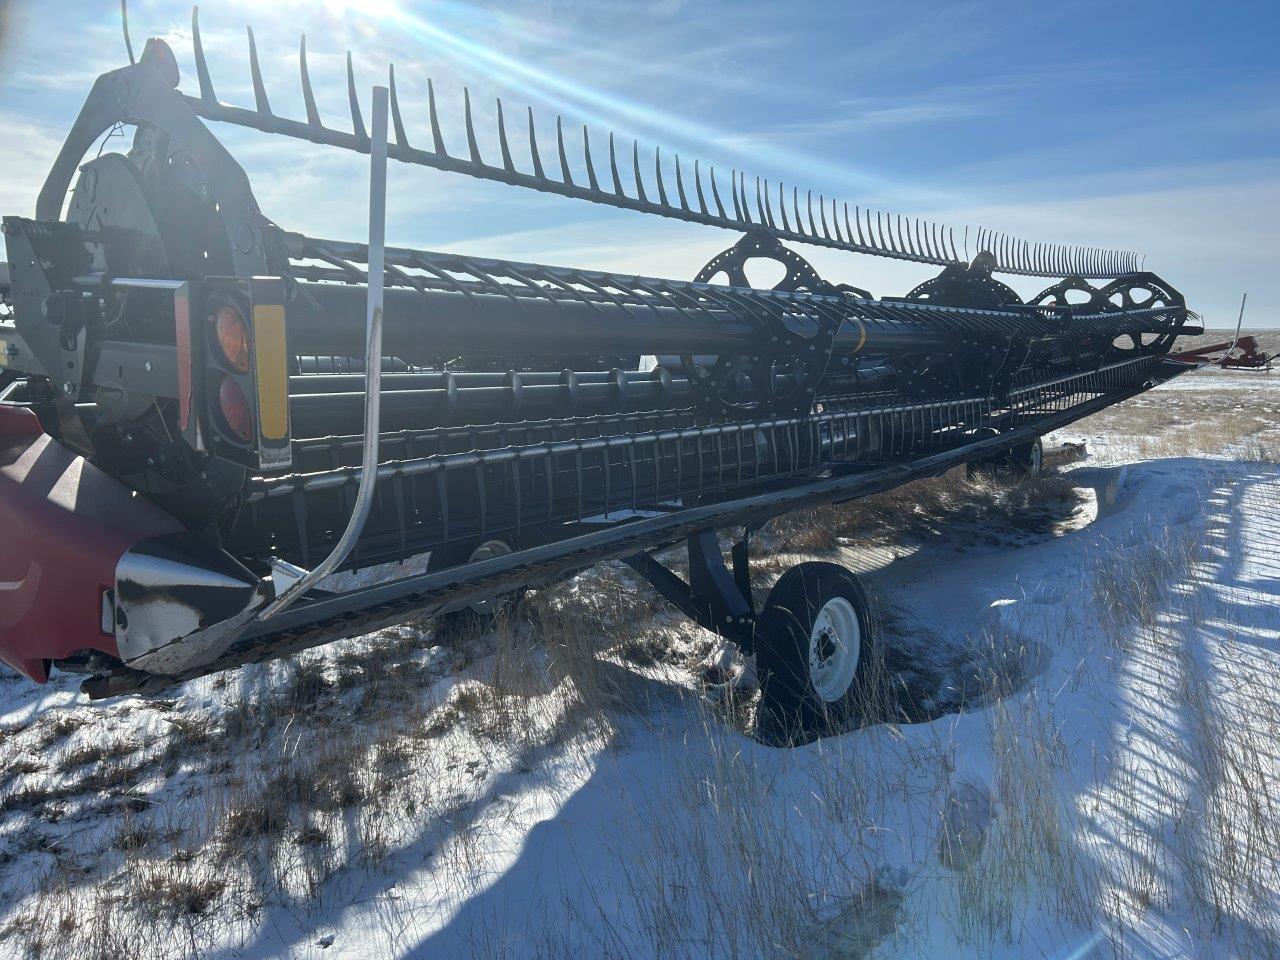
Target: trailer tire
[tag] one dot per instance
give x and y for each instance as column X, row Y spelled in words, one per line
column 479, row 616
column 1027, row 459
column 1024, row 460
column 813, row 650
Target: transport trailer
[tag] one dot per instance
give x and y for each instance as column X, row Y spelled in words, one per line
column 205, row 417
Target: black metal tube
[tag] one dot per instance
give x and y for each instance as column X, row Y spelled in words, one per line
column 423, row 325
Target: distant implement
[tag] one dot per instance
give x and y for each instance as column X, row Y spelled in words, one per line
column 203, row 415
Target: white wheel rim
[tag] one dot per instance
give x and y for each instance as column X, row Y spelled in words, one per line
column 835, row 644
column 487, row 551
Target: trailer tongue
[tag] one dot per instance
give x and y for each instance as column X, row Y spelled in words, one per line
column 204, row 415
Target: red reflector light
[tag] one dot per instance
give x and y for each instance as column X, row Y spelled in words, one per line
column 233, row 338
column 235, row 410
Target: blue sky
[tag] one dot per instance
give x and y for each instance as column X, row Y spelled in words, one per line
column 1148, row 126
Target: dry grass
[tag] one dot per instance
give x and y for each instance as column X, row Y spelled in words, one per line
column 954, row 507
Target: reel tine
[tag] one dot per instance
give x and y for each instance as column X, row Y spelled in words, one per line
column 822, row 214
column 899, row 245
column 951, row 233
column 857, row 219
column 503, row 146
column 613, row 168
column 586, row 158
column 635, row 169
column 741, row 190
column 733, row 190
column 795, row 208
column 565, row 175
column 912, row 223
column 533, row 149
column 202, row 65
column 720, row 205
column 835, row 221
column 255, row 74
column 929, row 252
column 715, row 195
column 697, row 184
column 813, row 227
column 684, row 201
column 472, row 147
column 765, row 215
column 396, row 120
column 847, row 228
column 357, row 120
column 436, row 136
column 657, row 175
column 782, row 208
column 880, row 231
column 124, row 23
column 308, row 95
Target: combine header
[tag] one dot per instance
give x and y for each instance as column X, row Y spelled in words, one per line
column 207, row 421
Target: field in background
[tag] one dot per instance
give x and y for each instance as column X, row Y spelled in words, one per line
column 1075, row 754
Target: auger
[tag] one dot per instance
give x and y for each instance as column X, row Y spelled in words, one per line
column 207, row 422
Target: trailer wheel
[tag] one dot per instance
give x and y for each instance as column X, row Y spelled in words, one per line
column 813, row 646
column 1027, row 459
column 1024, row 460
column 483, row 614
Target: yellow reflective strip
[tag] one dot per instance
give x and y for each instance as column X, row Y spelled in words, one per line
column 272, row 372
column 862, row 335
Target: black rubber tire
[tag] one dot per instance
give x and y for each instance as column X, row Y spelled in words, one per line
column 792, row 711
column 1027, row 460
column 470, row 619
column 1024, row 460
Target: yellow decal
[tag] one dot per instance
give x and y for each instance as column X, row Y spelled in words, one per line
column 273, row 375
column 4, row 354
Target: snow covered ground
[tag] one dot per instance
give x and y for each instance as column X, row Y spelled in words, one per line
column 1091, row 667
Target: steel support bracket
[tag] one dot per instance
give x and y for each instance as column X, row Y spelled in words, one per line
column 714, row 598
